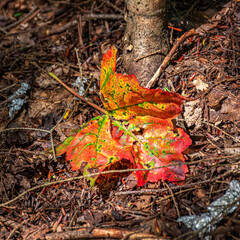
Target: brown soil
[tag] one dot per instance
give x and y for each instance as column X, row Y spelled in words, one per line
column 64, row 37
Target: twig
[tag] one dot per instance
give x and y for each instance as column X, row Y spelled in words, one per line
column 168, row 57
column 123, row 171
column 22, row 19
column 148, row 55
column 214, row 145
column 50, row 132
column 36, row 129
column 31, row 16
column 75, row 4
column 218, row 83
column 3, row 31
column 22, row 150
column 70, row 89
column 80, row 39
column 62, row 28
column 148, row 191
column 113, row 6
column 72, row 179
column 212, row 125
column 102, row 16
column 12, row 224
column 6, row 88
column 22, row 128
column 75, row 94
column 15, row 229
column 173, row 198
column 51, row 135
column 10, row 99
column 84, row 18
column 79, row 62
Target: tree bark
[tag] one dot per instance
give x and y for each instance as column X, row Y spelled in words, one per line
column 145, row 34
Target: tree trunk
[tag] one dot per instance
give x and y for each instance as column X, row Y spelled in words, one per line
column 145, row 34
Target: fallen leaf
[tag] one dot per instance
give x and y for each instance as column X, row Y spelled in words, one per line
column 137, row 129
column 124, row 98
column 199, row 83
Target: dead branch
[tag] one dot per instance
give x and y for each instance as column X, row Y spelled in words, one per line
column 164, row 64
column 112, row 233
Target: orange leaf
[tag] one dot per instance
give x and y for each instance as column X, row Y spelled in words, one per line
column 156, row 144
column 145, row 136
column 124, row 98
column 93, row 148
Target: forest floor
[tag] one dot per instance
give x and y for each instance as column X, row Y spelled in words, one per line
column 39, row 195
